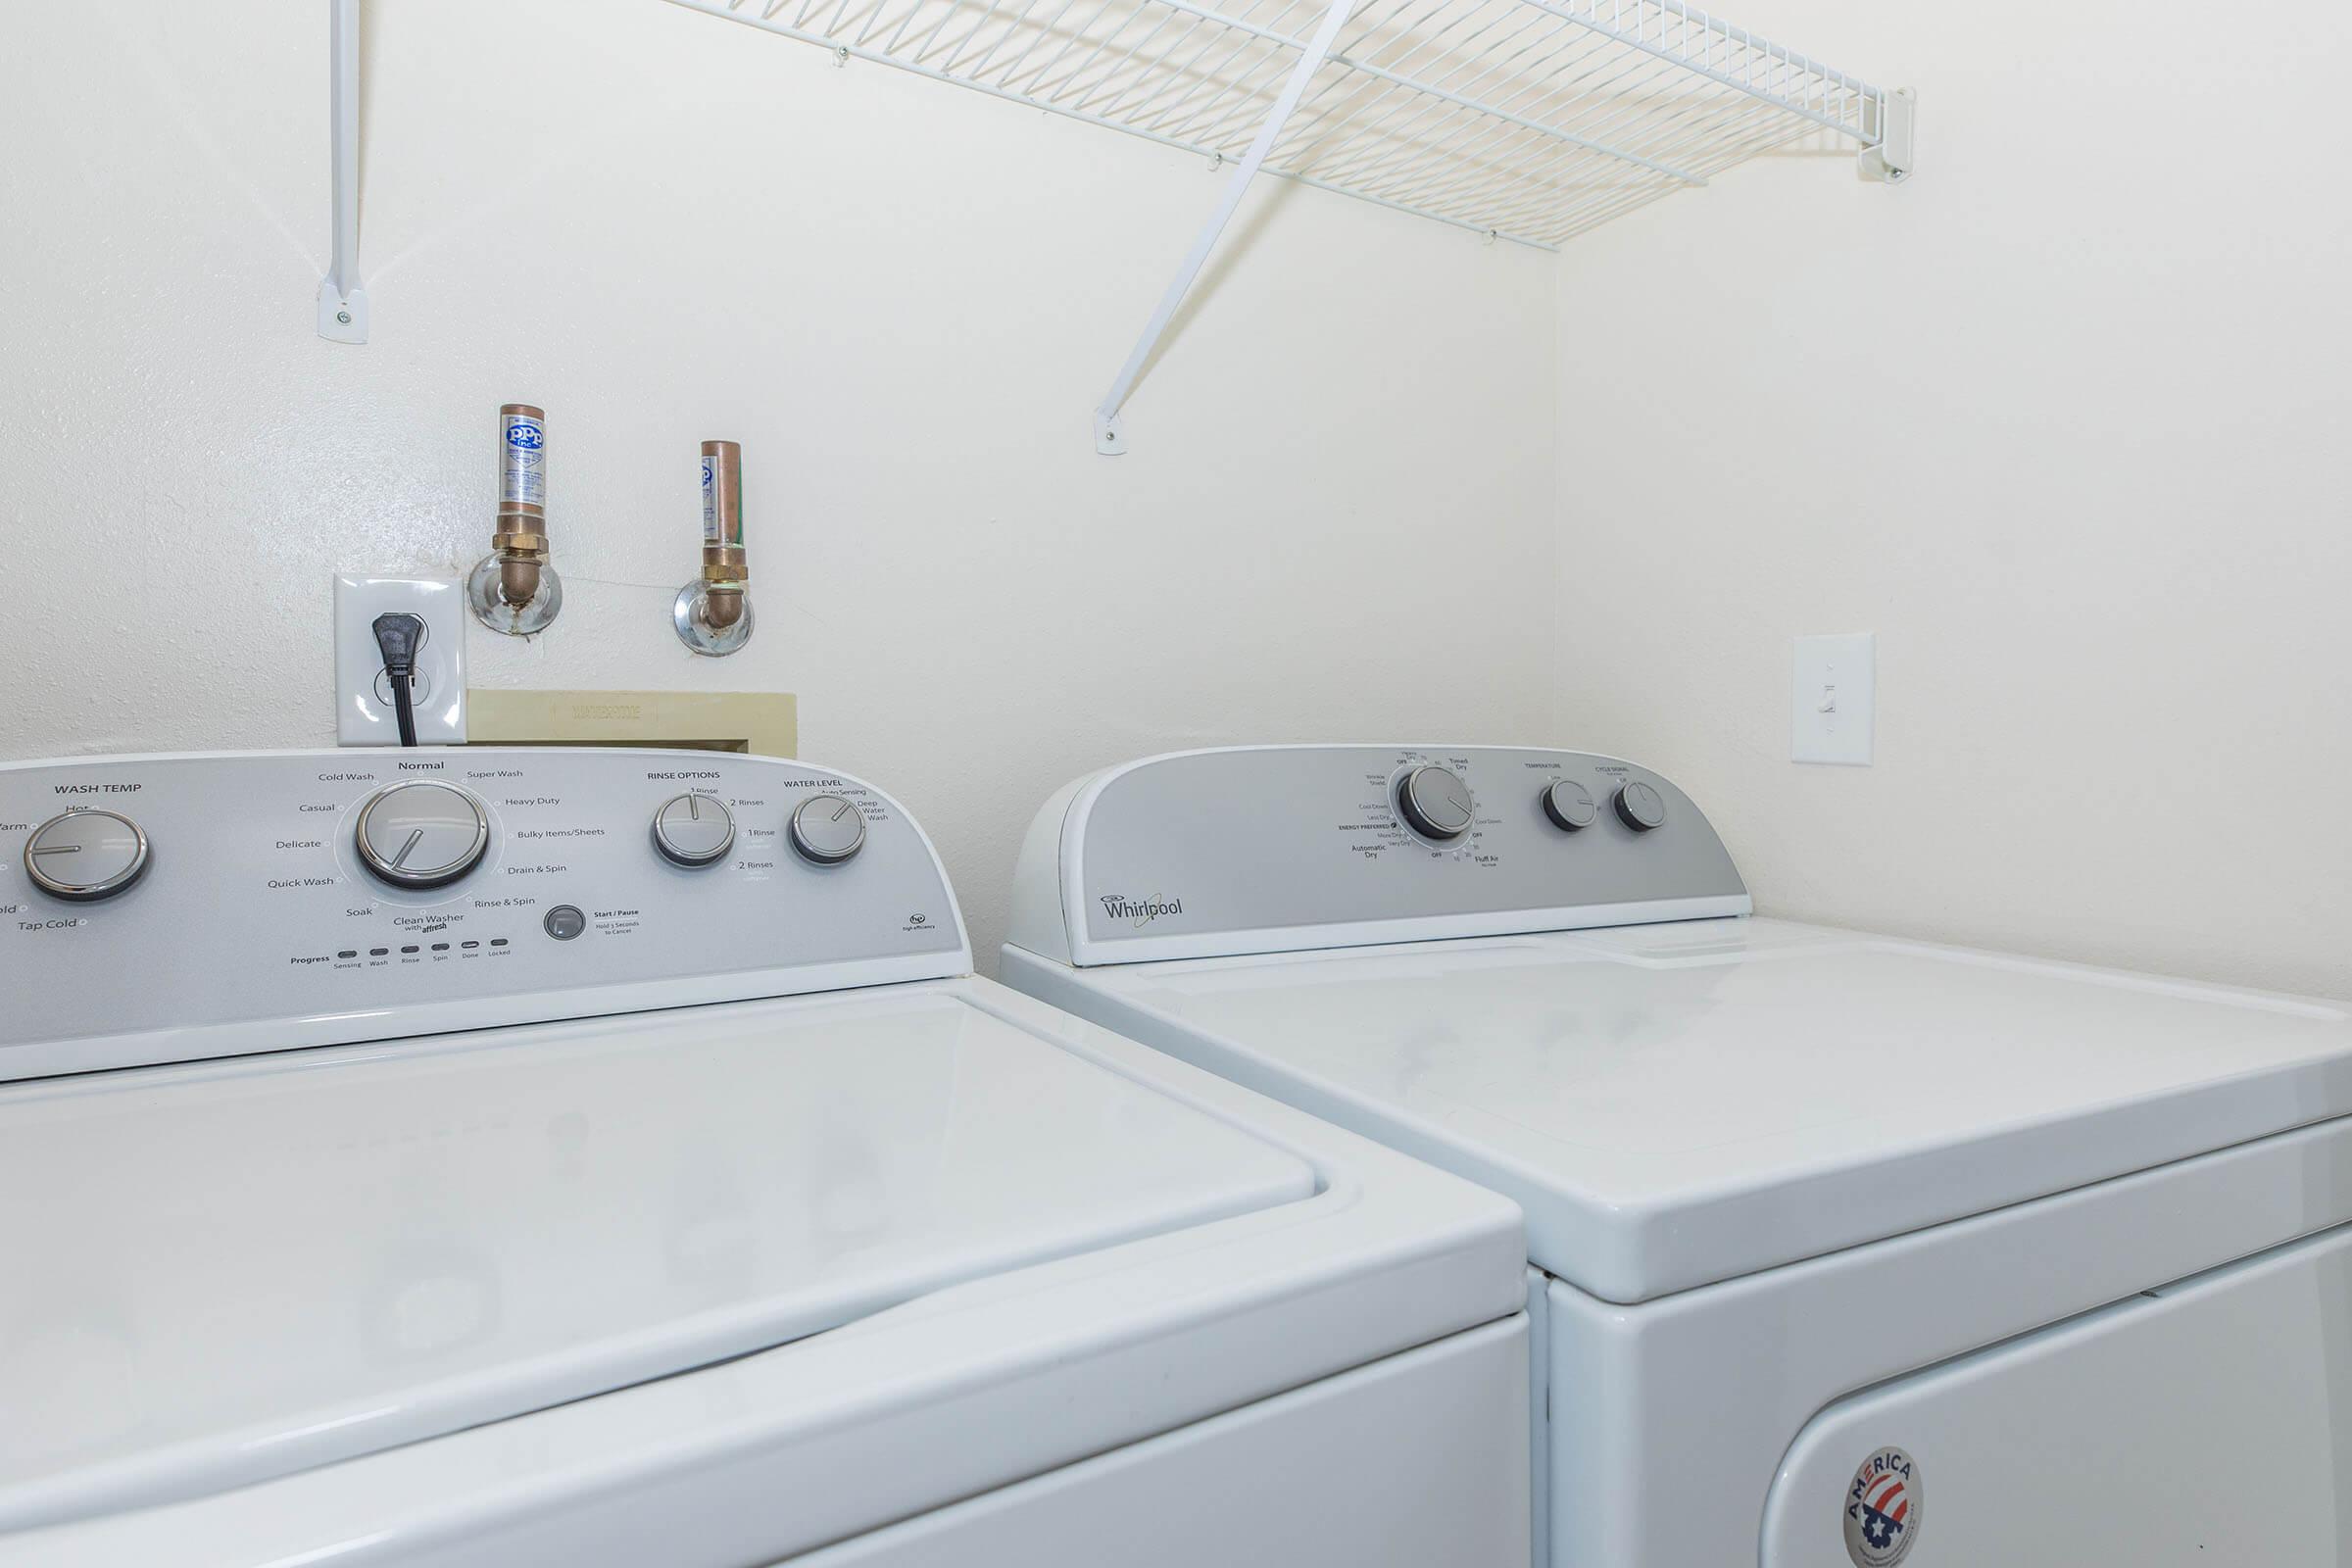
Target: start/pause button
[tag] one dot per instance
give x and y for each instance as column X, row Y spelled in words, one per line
column 564, row 923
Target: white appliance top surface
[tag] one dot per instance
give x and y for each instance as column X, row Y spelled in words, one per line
column 252, row 1267
column 1680, row 1103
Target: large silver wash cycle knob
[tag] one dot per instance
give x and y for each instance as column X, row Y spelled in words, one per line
column 83, row 856
column 828, row 829
column 1435, row 802
column 694, row 831
column 421, row 834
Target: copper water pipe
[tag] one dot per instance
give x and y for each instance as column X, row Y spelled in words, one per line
column 726, row 569
column 520, row 542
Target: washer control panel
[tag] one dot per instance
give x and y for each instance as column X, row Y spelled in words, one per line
column 1258, row 849
column 179, row 907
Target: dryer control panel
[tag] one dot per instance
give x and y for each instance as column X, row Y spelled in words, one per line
column 1269, row 848
column 159, row 908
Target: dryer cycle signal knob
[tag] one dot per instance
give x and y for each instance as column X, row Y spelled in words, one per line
column 85, row 856
column 694, row 831
column 1435, row 802
column 1641, row 807
column 828, row 829
column 421, row 834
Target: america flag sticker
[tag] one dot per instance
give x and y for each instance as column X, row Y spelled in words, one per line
column 1883, row 1510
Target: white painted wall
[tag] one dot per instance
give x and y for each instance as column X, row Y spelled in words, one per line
column 902, row 299
column 2065, row 422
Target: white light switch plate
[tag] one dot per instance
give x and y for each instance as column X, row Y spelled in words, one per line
column 364, row 714
column 1834, row 698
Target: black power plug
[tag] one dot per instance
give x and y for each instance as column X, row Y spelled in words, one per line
column 398, row 635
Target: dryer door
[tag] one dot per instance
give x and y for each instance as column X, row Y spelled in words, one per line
column 2199, row 1423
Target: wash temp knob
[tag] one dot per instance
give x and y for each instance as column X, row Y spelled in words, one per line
column 828, row 829
column 1435, row 802
column 421, row 834
column 85, row 856
column 694, row 831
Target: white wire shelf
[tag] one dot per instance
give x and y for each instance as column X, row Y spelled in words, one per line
column 1530, row 120
column 1525, row 119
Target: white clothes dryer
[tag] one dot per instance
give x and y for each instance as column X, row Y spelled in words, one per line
column 1846, row 1249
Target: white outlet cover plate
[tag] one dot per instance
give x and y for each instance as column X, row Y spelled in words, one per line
column 1833, row 698
column 364, row 714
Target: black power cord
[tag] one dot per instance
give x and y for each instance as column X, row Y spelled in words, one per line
column 398, row 634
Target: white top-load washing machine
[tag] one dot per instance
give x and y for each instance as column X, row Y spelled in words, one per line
column 655, row 1185
column 1849, row 1250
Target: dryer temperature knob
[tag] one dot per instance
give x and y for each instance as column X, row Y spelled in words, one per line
column 1570, row 806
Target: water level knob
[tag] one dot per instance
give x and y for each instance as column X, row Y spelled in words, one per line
column 828, row 829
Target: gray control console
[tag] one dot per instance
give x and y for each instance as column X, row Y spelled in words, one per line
column 172, row 908
column 1266, row 849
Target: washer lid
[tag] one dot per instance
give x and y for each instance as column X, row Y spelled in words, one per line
column 1675, row 1104
column 221, row 1273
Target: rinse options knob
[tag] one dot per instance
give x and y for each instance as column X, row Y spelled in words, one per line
column 85, row 856
column 1641, row 807
column 1435, row 802
column 1570, row 806
column 421, row 834
column 828, row 829
column 694, row 831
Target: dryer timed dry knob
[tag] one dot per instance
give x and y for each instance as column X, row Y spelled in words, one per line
column 828, row 829
column 421, row 834
column 83, row 856
column 1434, row 803
column 694, row 831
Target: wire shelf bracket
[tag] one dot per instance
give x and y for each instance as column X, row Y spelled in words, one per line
column 342, row 302
column 1890, row 159
column 1111, row 438
column 1528, row 121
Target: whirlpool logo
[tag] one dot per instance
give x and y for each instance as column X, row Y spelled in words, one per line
column 1139, row 912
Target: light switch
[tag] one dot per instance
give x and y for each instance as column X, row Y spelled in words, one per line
column 1833, row 699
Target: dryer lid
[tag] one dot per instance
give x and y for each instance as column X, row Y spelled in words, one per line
column 1675, row 1104
column 244, row 1270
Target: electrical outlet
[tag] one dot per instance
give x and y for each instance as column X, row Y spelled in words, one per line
column 363, row 714
column 1834, row 698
